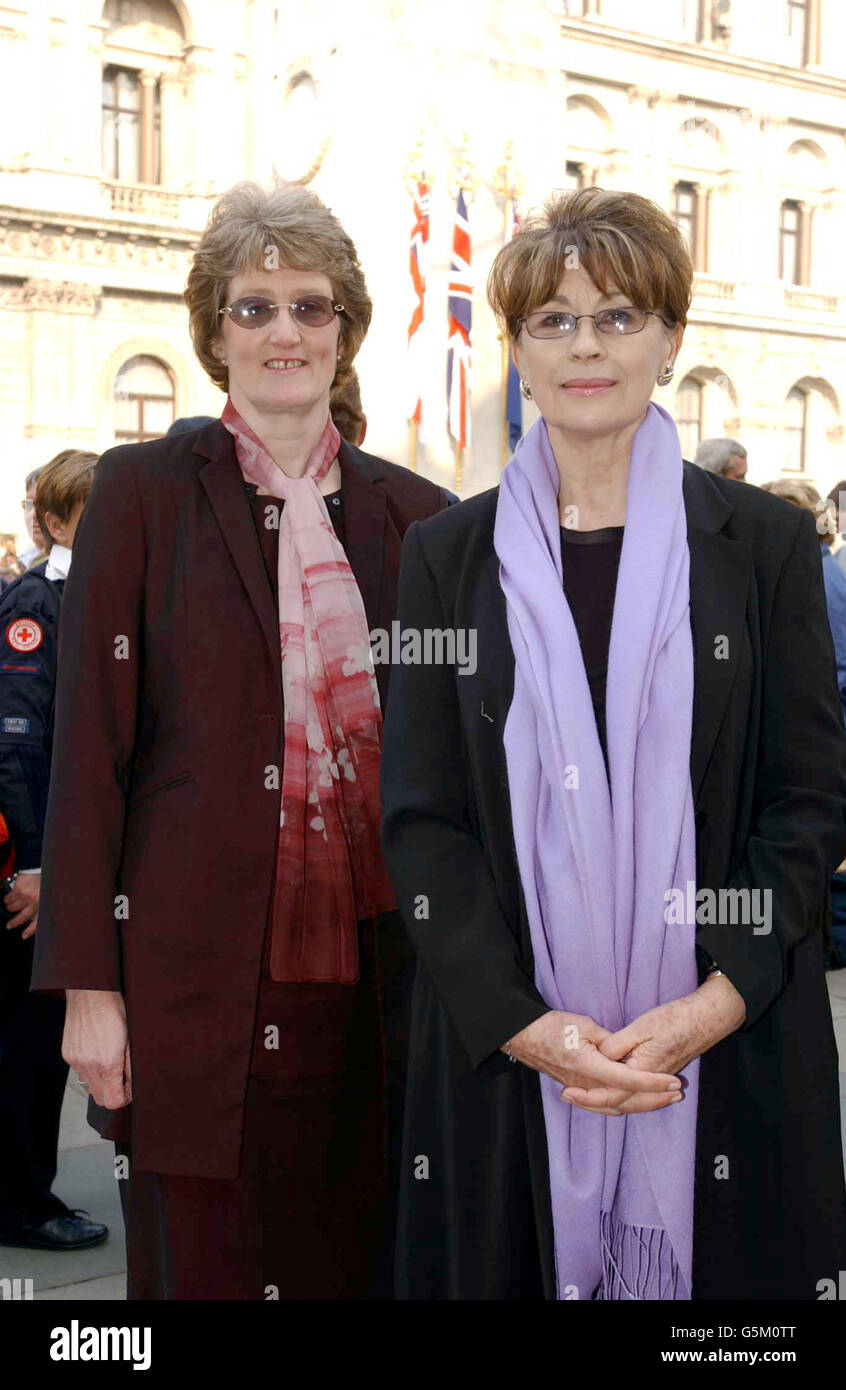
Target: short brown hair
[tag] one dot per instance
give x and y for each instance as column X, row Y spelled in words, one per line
column 620, row 239
column 244, row 223
column 63, row 482
column 805, row 495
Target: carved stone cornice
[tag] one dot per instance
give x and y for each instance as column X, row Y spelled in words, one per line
column 65, row 296
column 43, row 239
column 75, row 297
column 11, row 295
column 153, row 309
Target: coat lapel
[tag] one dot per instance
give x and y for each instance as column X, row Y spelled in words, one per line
column 365, row 520
column 495, row 655
column 365, row 517
column 224, row 484
column 719, row 585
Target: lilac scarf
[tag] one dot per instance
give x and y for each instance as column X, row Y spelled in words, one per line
column 594, row 879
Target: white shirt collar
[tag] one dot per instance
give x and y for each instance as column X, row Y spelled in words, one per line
column 58, row 562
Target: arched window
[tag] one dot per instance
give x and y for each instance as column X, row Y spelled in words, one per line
column 698, row 157
column 684, row 215
column 796, row 429
column 690, row 403
column 144, row 400
column 122, row 124
column 812, row 430
column 805, row 178
column 131, row 102
column 589, row 139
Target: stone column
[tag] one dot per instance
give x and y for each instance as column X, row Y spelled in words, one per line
column 638, row 126
column 148, row 111
column 806, row 219
column 812, row 34
column 701, row 234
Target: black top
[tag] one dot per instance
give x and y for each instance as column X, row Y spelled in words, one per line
column 269, row 537
column 590, row 560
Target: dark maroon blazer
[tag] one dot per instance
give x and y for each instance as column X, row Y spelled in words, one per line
column 161, row 832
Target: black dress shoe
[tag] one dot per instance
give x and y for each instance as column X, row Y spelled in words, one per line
column 68, row 1232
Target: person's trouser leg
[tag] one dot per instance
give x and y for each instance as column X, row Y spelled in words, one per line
column 32, row 1085
column 837, row 954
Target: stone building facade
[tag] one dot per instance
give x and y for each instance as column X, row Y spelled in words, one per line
column 121, row 121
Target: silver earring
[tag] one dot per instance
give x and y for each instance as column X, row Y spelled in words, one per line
column 525, row 389
column 666, row 376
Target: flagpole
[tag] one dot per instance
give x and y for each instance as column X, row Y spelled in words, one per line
column 463, row 179
column 412, row 425
column 507, row 186
column 415, row 172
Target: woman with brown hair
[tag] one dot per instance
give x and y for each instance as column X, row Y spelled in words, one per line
column 219, row 914
column 612, row 843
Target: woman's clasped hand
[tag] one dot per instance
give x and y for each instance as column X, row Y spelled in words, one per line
column 633, row 1070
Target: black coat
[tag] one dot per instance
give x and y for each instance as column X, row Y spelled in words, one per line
column 768, row 770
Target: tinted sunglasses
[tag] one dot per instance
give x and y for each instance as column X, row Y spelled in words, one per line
column 255, row 311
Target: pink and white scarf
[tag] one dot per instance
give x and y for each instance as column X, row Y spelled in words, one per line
column 330, row 873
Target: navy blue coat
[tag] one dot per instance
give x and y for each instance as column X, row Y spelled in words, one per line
column 29, row 625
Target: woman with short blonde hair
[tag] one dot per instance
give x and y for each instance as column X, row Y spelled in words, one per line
column 286, row 225
column 622, row 827
column 218, row 739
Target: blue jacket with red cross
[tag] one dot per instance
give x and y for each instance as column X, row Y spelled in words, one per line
column 29, row 626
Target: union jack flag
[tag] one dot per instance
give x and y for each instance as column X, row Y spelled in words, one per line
column 513, row 399
column 417, row 265
column 460, row 321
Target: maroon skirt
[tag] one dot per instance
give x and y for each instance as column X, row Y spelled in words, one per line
column 309, row 1216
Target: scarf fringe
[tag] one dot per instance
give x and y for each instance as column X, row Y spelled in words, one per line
column 637, row 1263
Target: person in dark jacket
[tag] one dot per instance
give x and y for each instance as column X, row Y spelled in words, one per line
column 805, row 495
column 836, row 500
column 32, row 1070
column 237, row 978
column 612, row 842
column 834, row 579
